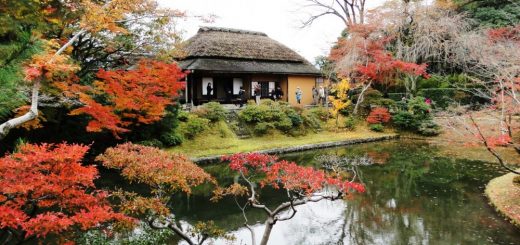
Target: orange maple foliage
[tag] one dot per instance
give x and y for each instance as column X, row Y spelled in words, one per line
column 154, row 167
column 49, row 67
column 44, row 189
column 165, row 173
column 131, row 97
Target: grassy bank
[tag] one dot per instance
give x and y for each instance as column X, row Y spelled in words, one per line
column 221, row 141
column 503, row 195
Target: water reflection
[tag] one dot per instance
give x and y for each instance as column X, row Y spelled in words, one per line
column 414, row 196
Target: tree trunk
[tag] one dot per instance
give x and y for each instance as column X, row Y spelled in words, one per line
column 30, row 115
column 269, row 223
column 33, row 112
column 361, row 98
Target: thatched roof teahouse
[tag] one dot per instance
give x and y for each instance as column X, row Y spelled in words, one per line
column 227, row 59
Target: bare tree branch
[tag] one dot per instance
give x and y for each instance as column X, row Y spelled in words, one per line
column 350, row 12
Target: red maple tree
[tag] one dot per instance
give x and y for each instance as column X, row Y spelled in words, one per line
column 384, row 68
column 363, row 57
column 130, row 97
column 302, row 185
column 379, row 115
column 44, row 190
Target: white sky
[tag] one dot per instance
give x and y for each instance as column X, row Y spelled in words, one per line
column 279, row 19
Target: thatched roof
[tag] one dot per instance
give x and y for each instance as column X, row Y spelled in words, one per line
column 232, row 50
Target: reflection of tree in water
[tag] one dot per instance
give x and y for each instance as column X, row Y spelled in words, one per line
column 415, row 197
column 412, row 198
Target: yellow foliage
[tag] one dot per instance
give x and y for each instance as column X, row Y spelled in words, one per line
column 340, row 100
column 49, row 65
column 108, row 16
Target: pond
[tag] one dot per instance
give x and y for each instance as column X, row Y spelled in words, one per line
column 414, row 196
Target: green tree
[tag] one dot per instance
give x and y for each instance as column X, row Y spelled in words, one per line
column 492, row 13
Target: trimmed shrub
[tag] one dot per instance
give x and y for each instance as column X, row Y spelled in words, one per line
column 419, row 107
column 444, row 97
column 320, row 112
column 194, row 126
column 172, row 139
column 311, row 121
column 152, row 142
column 279, row 115
column 212, row 111
column 377, row 127
column 183, row 116
column 417, row 118
column 284, row 124
column 295, row 118
column 429, row 128
column 383, row 102
column 253, row 113
column 350, row 123
column 262, row 128
column 405, row 120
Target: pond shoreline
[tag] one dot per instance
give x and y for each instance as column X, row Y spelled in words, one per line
column 282, row 150
column 503, row 197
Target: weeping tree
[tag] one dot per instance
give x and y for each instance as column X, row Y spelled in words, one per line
column 491, row 58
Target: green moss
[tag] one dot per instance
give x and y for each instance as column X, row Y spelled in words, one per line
column 503, row 195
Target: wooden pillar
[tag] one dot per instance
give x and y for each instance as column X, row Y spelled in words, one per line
column 191, row 87
column 186, row 90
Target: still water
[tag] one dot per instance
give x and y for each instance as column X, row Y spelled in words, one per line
column 413, row 195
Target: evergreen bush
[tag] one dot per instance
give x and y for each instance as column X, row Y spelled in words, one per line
column 194, row 126
column 171, row 138
column 279, row 115
column 152, row 142
column 429, row 128
column 350, row 123
column 262, row 128
column 405, row 120
column 212, row 111
column 377, row 127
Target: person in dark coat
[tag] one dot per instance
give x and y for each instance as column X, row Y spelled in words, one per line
column 209, row 89
column 278, row 93
column 241, row 96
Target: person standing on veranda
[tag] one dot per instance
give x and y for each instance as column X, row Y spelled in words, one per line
column 241, row 96
column 278, row 93
column 209, row 89
column 258, row 93
column 315, row 96
column 321, row 94
column 299, row 95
